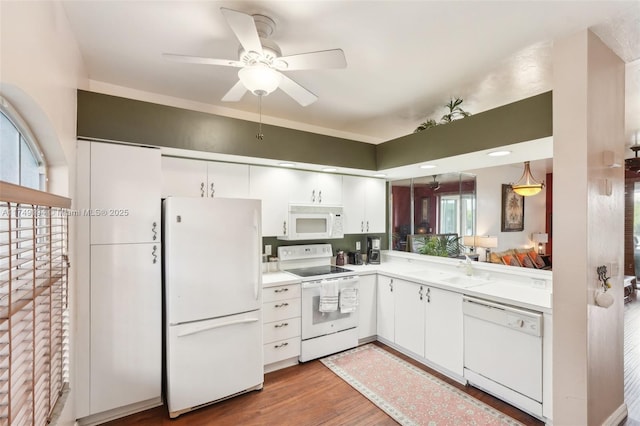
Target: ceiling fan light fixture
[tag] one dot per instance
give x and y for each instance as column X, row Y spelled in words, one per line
column 527, row 185
column 260, row 79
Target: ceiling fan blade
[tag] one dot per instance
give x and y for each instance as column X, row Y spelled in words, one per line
column 235, row 93
column 201, row 60
column 244, row 28
column 297, row 92
column 322, row 59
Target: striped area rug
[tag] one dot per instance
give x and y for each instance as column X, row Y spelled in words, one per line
column 408, row 394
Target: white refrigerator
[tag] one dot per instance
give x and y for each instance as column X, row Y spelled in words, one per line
column 213, row 296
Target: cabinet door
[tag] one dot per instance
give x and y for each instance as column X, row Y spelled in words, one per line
column 125, row 194
column 410, row 301
column 385, row 323
column 367, row 306
column 301, row 186
column 353, row 196
column 375, row 210
column 271, row 185
column 443, row 329
column 329, row 189
column 227, row 180
column 126, row 326
column 183, row 177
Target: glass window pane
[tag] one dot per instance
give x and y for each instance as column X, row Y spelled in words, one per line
column 9, row 151
column 29, row 168
column 449, row 215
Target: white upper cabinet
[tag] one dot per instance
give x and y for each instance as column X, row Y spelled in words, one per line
column 364, row 204
column 227, row 180
column 185, row 177
column 271, row 185
column 125, row 194
column 315, row 188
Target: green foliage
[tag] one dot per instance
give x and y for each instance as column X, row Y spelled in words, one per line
column 441, row 245
column 455, row 112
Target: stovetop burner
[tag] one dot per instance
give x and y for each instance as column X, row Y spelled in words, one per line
column 313, row 271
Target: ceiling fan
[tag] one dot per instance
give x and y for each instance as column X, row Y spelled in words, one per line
column 261, row 62
column 435, row 185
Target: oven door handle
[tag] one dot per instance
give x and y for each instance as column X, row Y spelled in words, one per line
column 340, row 281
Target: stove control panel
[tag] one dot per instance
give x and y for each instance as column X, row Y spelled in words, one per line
column 307, row 251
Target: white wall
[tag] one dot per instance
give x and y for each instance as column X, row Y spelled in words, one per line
column 489, row 183
column 588, row 118
column 40, row 70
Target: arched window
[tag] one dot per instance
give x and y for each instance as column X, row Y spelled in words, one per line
column 21, row 161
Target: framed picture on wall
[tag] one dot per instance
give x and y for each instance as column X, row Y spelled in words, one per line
column 512, row 210
column 425, row 210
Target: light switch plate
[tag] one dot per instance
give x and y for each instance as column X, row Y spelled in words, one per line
column 267, row 249
column 357, row 245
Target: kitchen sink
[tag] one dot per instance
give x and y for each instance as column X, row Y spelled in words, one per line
column 465, row 281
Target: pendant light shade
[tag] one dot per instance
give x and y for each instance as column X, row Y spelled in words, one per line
column 259, row 79
column 527, row 185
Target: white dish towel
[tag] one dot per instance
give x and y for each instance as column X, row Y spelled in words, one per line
column 329, row 297
column 348, row 300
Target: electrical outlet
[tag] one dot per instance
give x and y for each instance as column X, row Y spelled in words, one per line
column 357, row 245
column 267, row 249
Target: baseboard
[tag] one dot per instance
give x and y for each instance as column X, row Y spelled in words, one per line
column 617, row 417
column 281, row 364
column 106, row 416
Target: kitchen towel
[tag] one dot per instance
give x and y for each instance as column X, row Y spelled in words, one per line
column 348, row 300
column 328, row 297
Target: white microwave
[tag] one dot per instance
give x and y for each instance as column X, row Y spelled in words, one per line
column 313, row 222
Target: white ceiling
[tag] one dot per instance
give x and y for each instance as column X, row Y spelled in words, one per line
column 405, row 58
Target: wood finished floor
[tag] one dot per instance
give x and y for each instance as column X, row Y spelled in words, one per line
column 310, row 394
column 307, row 394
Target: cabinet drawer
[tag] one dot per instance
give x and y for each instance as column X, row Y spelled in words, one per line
column 291, row 291
column 281, row 309
column 281, row 330
column 282, row 349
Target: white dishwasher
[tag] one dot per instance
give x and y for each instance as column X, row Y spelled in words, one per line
column 503, row 352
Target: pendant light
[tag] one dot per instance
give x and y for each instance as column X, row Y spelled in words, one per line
column 527, row 185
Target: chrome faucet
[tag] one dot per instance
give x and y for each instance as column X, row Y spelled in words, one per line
column 468, row 267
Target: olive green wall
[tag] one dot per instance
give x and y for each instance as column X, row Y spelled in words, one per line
column 105, row 117
column 525, row 120
column 348, row 243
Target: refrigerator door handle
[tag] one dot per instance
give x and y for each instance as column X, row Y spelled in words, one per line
column 200, row 329
column 258, row 249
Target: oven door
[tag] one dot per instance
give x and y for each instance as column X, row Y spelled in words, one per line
column 316, row 323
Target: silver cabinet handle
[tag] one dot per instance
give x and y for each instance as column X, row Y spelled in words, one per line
column 284, row 324
column 281, row 345
column 420, row 292
column 391, row 284
column 281, row 290
column 202, row 189
column 362, row 226
column 367, row 226
column 319, row 196
column 153, row 229
column 282, row 305
column 213, row 191
column 429, row 295
column 154, row 254
column 284, row 228
column 313, row 196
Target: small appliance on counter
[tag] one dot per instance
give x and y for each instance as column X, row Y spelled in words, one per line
column 354, row 258
column 373, row 250
column 340, row 259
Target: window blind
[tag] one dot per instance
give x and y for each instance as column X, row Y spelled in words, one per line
column 33, row 304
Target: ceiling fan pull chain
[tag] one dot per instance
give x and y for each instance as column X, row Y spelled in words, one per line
column 260, row 136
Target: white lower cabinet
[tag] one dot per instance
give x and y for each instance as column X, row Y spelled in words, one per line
column 409, row 316
column 281, row 322
column 385, row 321
column 126, row 325
column 424, row 320
column 443, row 332
column 367, row 306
